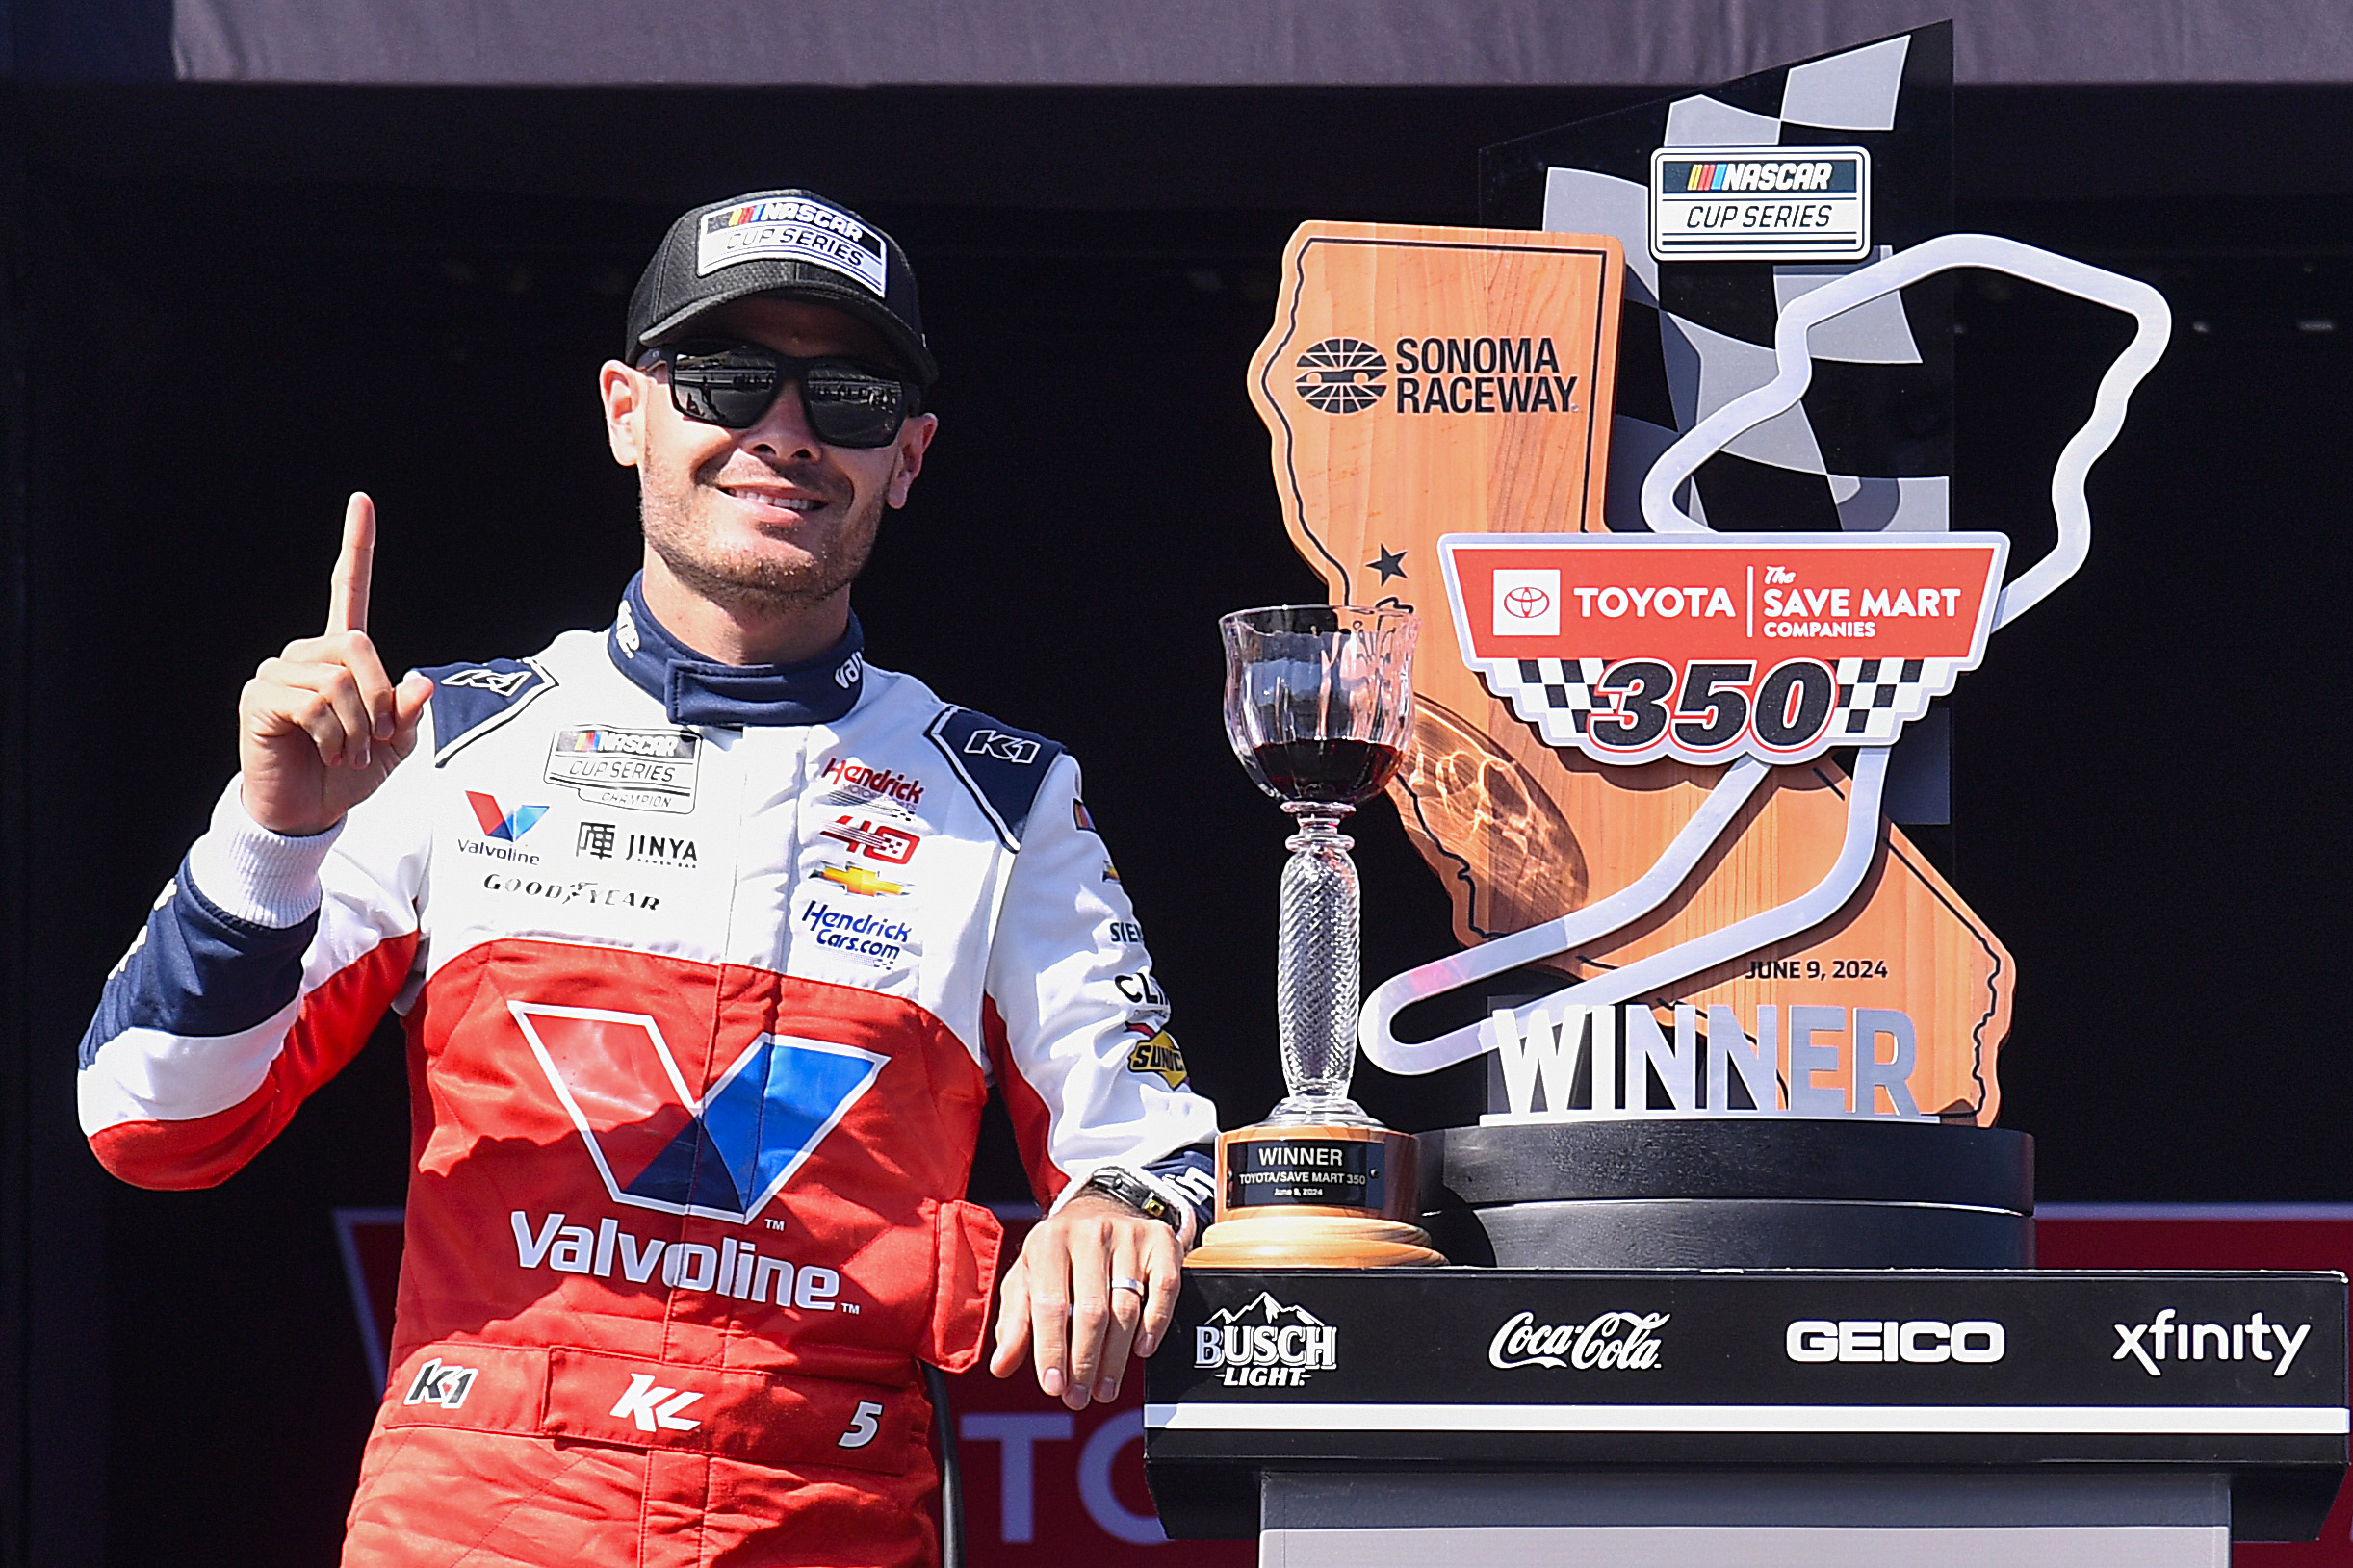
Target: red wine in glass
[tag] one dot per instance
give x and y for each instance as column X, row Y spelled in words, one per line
column 1342, row 772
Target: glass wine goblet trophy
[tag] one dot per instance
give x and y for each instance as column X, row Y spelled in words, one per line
column 1319, row 706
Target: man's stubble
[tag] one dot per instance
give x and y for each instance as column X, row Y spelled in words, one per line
column 756, row 582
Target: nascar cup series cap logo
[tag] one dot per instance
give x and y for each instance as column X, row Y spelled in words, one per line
column 1341, row 375
column 722, row 1154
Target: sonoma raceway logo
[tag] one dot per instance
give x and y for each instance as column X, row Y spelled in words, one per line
column 722, row 1155
column 1612, row 1340
column 1265, row 1345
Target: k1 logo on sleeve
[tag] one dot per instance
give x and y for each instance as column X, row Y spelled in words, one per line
column 721, row 1156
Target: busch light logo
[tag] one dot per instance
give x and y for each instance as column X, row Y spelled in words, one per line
column 1613, row 1340
column 1265, row 1345
column 721, row 1156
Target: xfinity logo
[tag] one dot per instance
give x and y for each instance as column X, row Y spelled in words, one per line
column 442, row 1383
column 1923, row 1340
column 2162, row 1338
column 1613, row 1340
column 1265, row 1345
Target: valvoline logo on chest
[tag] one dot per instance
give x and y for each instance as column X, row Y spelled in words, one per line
column 721, row 1154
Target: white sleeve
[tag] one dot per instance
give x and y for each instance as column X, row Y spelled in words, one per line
column 1077, row 1024
column 261, row 971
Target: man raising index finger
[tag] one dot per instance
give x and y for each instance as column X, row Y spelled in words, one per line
column 711, row 940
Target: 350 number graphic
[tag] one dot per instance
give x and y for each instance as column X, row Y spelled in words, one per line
column 1710, row 710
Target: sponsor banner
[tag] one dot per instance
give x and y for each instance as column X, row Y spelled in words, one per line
column 1703, row 647
column 1926, row 1356
column 1760, row 204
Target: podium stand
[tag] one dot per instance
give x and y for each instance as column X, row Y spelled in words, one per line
column 1827, row 1418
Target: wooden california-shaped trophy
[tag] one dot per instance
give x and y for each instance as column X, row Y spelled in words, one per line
column 1319, row 707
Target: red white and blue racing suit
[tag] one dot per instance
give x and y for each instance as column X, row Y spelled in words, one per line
column 707, row 971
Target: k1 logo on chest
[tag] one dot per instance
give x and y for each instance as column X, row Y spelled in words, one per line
column 722, row 1154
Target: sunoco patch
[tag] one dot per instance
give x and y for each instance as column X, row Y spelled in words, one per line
column 1159, row 1055
column 643, row 770
column 794, row 227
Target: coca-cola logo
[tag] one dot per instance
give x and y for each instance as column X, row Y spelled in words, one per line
column 1614, row 1339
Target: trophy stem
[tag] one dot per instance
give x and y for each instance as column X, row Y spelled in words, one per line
column 1318, row 985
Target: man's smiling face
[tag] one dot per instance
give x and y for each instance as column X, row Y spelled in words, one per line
column 769, row 518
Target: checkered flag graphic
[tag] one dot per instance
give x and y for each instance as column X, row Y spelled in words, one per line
column 1877, row 696
column 1870, row 446
column 1554, row 694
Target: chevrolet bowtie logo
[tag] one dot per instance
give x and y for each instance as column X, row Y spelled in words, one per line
column 859, row 880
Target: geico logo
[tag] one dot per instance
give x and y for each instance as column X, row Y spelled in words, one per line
column 1922, row 1340
column 733, row 1268
column 1613, row 1340
column 2163, row 1337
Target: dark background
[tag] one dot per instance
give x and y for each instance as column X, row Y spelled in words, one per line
column 226, row 307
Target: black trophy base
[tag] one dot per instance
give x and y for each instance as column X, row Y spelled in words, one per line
column 1730, row 1193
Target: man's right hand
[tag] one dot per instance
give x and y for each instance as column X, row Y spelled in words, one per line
column 319, row 727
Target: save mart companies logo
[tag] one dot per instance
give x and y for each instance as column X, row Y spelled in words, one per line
column 1437, row 375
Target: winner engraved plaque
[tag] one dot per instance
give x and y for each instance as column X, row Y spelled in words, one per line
column 1318, row 706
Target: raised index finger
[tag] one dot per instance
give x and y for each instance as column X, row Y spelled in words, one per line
column 347, row 598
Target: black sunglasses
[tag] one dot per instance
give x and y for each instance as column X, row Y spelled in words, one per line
column 732, row 385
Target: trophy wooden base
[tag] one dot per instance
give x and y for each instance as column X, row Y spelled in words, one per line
column 1313, row 1240
column 1315, row 1197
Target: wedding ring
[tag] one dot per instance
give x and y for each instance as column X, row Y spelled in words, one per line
column 1121, row 1282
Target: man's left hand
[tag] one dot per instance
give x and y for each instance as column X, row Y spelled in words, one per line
column 1069, row 1299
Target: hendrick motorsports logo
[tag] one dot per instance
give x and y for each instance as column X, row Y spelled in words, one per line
column 1341, row 375
column 1265, row 1345
column 1612, row 1340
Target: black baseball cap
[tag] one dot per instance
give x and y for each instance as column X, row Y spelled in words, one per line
column 791, row 243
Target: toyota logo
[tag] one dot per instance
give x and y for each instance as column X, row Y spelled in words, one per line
column 1527, row 604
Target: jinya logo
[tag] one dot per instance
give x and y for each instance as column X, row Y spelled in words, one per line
column 1341, row 375
column 1265, row 1345
column 722, row 1155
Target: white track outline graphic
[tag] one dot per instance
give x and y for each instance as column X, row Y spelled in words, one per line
column 525, row 1012
column 1794, row 372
